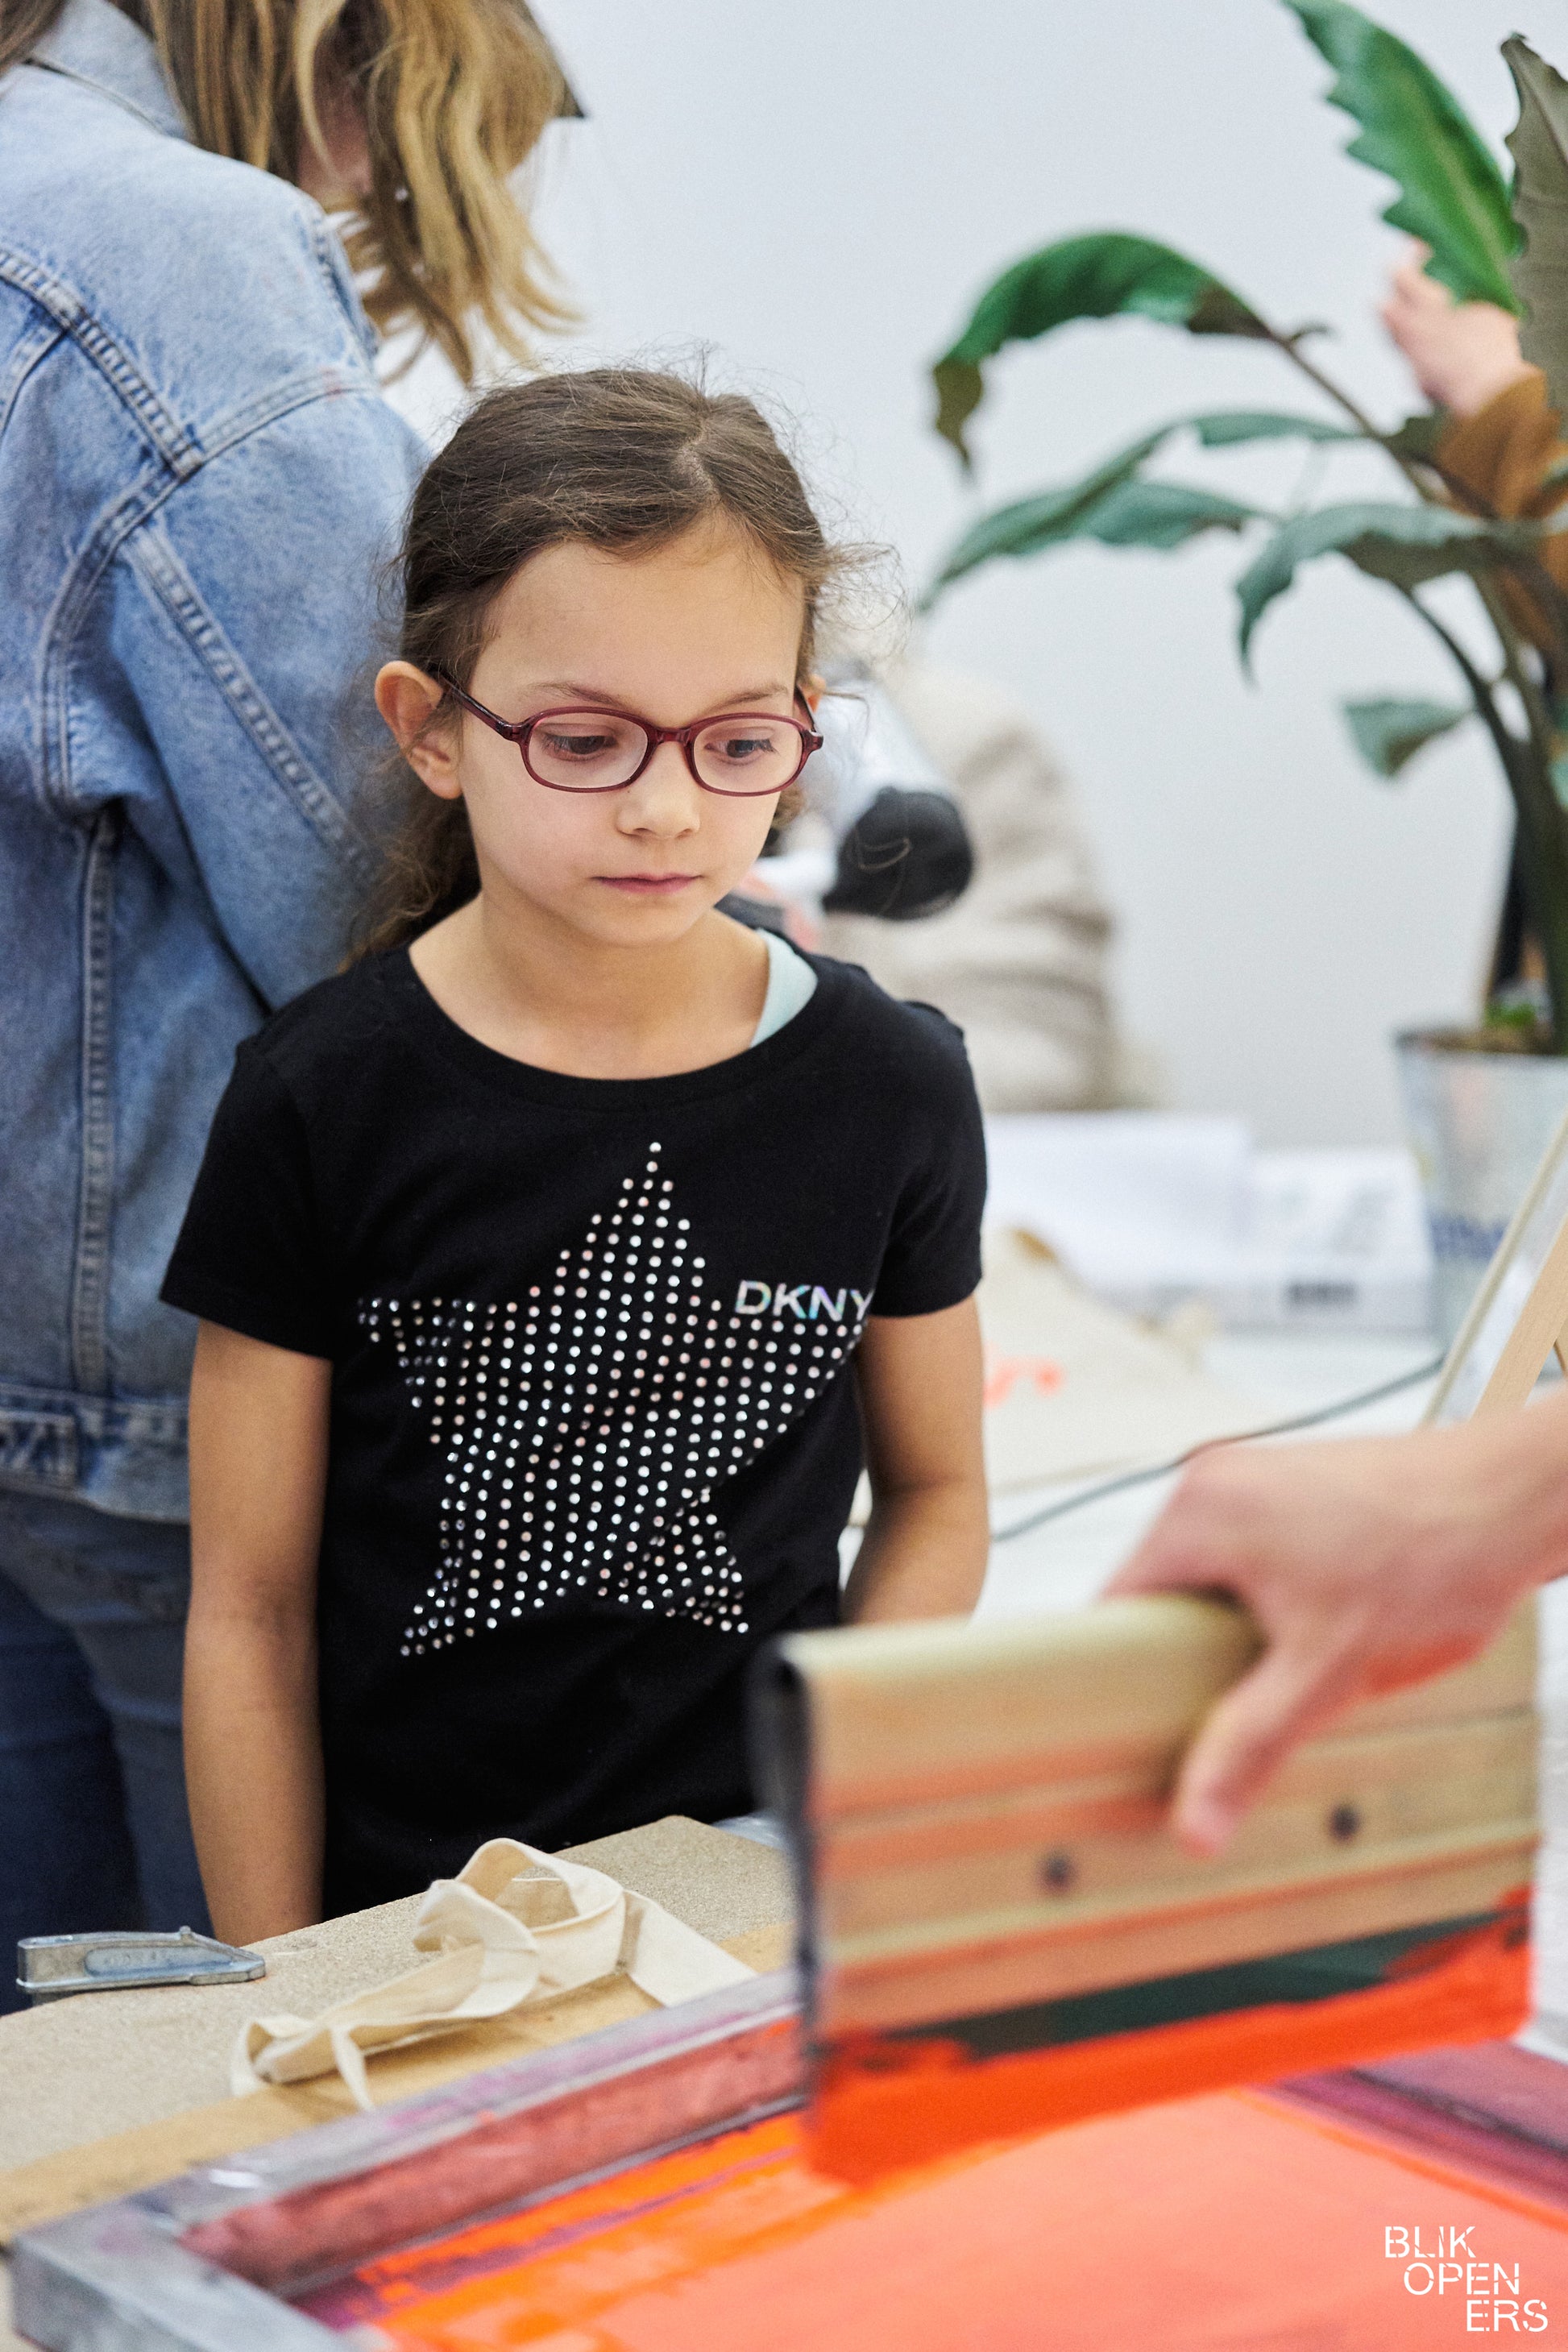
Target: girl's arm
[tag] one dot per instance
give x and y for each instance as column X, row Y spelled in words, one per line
column 925, row 1549
column 253, row 1749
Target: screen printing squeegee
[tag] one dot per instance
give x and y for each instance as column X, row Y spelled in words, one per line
column 998, row 1930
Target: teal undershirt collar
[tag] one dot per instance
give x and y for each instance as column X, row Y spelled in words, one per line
column 792, row 984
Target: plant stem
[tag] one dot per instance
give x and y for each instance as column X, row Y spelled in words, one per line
column 1530, row 571
column 1543, row 837
column 1526, row 769
column 1352, row 409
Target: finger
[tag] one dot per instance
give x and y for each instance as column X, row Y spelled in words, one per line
column 1163, row 1562
column 1243, row 1739
column 1177, row 1553
column 1422, row 296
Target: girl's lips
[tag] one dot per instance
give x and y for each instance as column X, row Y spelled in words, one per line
column 647, row 886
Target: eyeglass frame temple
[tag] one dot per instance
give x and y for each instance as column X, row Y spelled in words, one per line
column 518, row 730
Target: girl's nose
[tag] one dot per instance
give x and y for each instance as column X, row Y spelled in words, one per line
column 666, row 798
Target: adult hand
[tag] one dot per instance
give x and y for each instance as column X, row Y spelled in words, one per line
column 1462, row 354
column 1368, row 1563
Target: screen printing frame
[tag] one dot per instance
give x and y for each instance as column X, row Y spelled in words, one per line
column 148, row 2273
column 1519, row 1316
column 204, row 2263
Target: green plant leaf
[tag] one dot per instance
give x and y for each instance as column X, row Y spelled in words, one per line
column 1163, row 514
column 1109, row 504
column 1451, row 192
column 1130, row 512
column 1104, row 275
column 1389, row 732
column 1405, row 544
column 1228, row 427
column 1539, row 143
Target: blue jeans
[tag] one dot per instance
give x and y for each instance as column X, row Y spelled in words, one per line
column 93, row 1826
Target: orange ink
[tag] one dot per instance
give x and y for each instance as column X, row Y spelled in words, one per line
column 1198, row 2225
column 1224, row 2222
column 883, row 2103
column 1003, row 1374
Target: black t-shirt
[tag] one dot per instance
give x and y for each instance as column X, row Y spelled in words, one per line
column 594, row 1438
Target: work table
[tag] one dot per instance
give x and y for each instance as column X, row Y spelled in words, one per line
column 105, row 2092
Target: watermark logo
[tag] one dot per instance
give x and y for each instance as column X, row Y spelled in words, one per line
column 1447, row 2262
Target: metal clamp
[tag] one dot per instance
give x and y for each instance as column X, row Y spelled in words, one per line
column 50, row 1966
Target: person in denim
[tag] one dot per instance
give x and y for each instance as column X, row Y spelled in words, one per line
column 198, row 481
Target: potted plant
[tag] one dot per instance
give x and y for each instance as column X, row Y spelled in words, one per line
column 1482, row 1101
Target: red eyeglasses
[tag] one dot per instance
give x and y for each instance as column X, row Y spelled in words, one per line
column 742, row 754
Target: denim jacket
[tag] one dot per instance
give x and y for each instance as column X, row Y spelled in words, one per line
column 198, row 482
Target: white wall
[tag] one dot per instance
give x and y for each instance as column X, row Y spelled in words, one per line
column 817, row 191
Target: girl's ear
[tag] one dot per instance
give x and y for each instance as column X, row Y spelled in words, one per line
column 407, row 700
column 814, row 689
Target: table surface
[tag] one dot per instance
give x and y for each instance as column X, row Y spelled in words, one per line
column 75, row 2070
column 1064, row 1563
column 76, row 2075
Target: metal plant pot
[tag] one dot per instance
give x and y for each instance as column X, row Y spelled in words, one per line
column 1479, row 1122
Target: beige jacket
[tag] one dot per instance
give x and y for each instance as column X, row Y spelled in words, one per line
column 1019, row 962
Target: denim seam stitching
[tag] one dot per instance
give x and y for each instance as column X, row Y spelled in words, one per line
column 39, row 1451
column 325, row 380
column 27, row 1396
column 76, row 590
column 120, row 524
column 179, row 450
column 156, row 563
column 323, row 240
column 102, row 89
column 32, row 348
column 89, row 1344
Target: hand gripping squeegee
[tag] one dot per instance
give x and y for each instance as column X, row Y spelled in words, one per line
column 999, row 1933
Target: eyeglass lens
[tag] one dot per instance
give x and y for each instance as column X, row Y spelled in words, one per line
column 593, row 751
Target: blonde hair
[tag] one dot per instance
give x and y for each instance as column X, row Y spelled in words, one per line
column 455, row 93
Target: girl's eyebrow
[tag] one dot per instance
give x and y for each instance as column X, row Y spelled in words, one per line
column 597, row 698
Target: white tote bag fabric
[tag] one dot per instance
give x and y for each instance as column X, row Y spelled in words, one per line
column 515, row 1927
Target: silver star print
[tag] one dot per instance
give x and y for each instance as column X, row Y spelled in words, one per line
column 587, row 1425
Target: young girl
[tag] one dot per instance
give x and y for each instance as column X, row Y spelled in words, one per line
column 554, row 1262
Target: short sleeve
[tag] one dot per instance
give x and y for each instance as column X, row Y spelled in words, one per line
column 933, row 1257
column 249, row 1253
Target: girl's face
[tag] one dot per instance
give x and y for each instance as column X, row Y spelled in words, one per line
column 701, row 626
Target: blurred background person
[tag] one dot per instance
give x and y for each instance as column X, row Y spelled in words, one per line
column 198, row 479
column 1018, row 958
column 1502, row 439
column 942, row 849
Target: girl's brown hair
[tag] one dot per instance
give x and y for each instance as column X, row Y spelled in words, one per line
column 622, row 460
column 455, row 93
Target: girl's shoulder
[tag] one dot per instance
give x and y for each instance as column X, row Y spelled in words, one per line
column 903, row 1026
column 330, row 1030
column 894, row 1069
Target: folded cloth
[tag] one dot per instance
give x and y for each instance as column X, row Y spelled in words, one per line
column 515, row 1925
